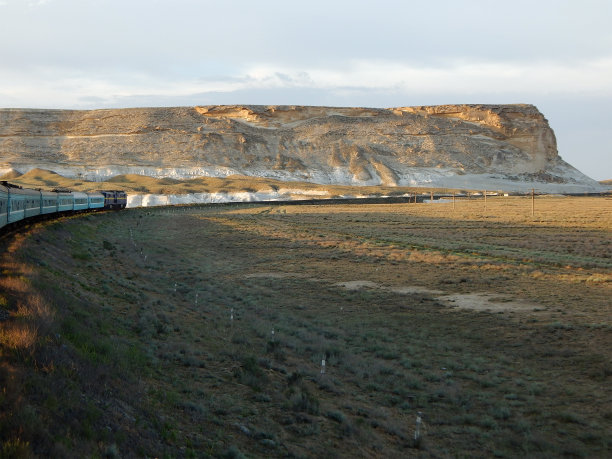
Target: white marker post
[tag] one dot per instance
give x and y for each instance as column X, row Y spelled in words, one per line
column 417, row 429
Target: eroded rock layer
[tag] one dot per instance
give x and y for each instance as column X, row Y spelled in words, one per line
column 443, row 145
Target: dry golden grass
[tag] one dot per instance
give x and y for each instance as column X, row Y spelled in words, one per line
column 47, row 180
column 18, row 337
column 577, row 212
column 29, row 313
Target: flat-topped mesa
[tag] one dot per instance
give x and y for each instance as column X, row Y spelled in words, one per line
column 443, row 145
column 521, row 125
column 280, row 115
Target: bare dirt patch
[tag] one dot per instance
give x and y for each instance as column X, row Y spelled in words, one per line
column 411, row 290
column 482, row 301
column 274, row 275
column 359, row 284
column 486, row 302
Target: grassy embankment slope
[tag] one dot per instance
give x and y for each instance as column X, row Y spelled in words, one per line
column 149, row 331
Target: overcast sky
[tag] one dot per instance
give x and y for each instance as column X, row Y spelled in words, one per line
column 555, row 54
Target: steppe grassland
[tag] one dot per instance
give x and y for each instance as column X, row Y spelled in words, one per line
column 168, row 317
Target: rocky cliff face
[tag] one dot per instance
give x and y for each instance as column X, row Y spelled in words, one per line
column 447, row 145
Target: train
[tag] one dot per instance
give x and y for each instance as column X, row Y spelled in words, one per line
column 18, row 203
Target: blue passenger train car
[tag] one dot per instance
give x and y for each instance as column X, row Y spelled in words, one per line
column 81, row 202
column 96, row 200
column 65, row 201
column 4, row 200
column 22, row 203
column 17, row 203
column 48, row 203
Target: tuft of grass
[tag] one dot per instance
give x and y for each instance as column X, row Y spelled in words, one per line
column 337, row 416
column 250, row 373
column 303, row 400
column 18, row 337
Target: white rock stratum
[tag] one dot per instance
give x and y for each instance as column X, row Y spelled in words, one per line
column 506, row 147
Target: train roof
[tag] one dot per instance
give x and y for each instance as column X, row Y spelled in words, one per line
column 9, row 185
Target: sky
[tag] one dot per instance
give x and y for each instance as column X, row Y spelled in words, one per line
column 85, row 54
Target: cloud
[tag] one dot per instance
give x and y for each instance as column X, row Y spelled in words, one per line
column 30, row 4
column 35, row 3
column 468, row 79
column 458, row 77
